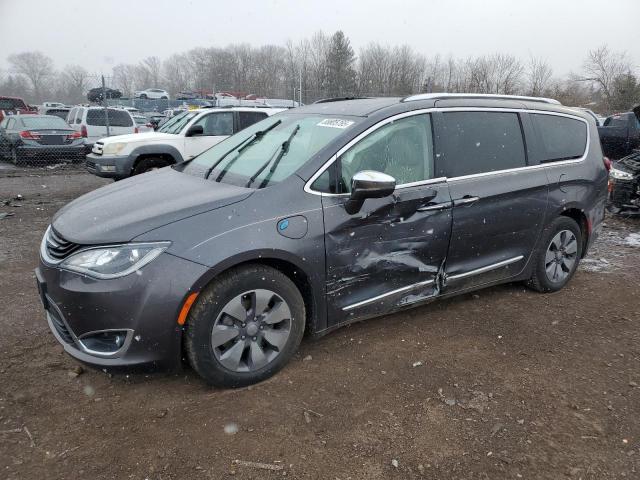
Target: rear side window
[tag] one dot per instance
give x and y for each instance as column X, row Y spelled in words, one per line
column 559, row 138
column 249, row 118
column 117, row 118
column 479, row 142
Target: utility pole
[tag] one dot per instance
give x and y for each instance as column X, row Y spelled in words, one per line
column 300, row 102
column 106, row 107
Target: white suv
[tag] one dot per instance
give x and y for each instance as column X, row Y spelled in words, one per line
column 153, row 93
column 91, row 123
column 181, row 138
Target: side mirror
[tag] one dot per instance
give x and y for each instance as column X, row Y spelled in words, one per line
column 368, row 184
column 195, row 130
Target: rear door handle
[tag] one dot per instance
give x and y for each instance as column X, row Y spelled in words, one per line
column 466, row 200
column 435, row 206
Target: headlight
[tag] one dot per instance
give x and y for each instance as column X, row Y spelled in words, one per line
column 620, row 175
column 114, row 262
column 113, row 148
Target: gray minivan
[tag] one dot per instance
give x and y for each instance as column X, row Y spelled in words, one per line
column 318, row 217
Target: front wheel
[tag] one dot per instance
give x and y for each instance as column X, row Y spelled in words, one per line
column 149, row 164
column 558, row 256
column 245, row 326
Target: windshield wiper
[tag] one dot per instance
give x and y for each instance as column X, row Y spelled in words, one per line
column 284, row 148
column 243, row 146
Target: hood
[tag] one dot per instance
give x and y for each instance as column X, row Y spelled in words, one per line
column 139, row 137
column 124, row 210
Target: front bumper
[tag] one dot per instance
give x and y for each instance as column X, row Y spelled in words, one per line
column 624, row 193
column 109, row 166
column 143, row 305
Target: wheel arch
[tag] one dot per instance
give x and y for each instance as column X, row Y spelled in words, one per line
column 577, row 214
column 284, row 262
column 167, row 152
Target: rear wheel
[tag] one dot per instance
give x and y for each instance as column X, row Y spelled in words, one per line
column 245, row 326
column 149, row 164
column 558, row 256
column 13, row 155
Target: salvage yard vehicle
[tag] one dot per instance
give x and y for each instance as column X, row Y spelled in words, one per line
column 318, row 217
column 624, row 184
column 620, row 134
column 39, row 139
column 13, row 106
column 182, row 137
column 152, row 93
column 91, row 122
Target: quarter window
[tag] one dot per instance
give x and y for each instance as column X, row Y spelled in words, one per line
column 402, row 149
column 479, row 142
column 559, row 138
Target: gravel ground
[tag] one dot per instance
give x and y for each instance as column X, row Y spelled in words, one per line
column 504, row 383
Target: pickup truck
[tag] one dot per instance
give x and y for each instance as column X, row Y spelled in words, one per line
column 13, row 106
column 620, row 134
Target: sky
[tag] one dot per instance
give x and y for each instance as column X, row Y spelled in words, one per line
column 100, row 34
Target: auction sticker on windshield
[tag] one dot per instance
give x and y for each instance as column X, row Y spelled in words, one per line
column 335, row 123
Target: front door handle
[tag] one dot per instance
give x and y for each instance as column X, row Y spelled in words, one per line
column 466, row 200
column 435, row 206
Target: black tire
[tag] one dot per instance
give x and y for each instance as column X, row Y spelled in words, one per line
column 209, row 307
column 148, row 164
column 164, row 98
column 14, row 157
column 143, row 96
column 540, row 280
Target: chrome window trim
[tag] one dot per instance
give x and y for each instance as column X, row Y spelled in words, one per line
column 373, row 128
column 386, row 294
column 486, row 268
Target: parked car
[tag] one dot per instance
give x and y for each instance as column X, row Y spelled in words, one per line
column 96, row 94
column 39, row 138
column 91, row 122
column 155, row 119
column 620, row 134
column 624, row 184
column 62, row 112
column 13, row 106
column 142, row 123
column 153, row 93
column 179, row 139
column 186, row 95
column 319, row 217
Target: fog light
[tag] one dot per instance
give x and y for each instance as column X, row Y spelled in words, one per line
column 107, row 168
column 106, row 342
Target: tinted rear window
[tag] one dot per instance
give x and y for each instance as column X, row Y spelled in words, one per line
column 249, row 118
column 42, row 123
column 62, row 113
column 117, row 118
column 559, row 138
column 479, row 142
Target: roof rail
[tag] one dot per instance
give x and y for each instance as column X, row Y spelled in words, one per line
column 339, row 99
column 444, row 96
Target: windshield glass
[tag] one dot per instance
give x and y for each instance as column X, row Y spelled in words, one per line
column 259, row 161
column 177, row 123
column 42, row 123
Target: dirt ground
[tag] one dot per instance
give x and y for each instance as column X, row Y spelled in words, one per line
column 504, row 383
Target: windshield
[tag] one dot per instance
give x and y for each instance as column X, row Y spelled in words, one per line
column 43, row 123
column 250, row 159
column 177, row 123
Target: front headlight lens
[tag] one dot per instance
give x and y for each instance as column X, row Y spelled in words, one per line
column 114, row 262
column 620, row 174
column 113, row 148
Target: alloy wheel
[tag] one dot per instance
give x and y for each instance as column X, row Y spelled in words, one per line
column 561, row 256
column 251, row 330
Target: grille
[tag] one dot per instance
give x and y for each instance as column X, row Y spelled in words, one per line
column 60, row 327
column 57, row 247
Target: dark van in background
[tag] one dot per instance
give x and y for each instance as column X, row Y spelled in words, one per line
column 318, row 217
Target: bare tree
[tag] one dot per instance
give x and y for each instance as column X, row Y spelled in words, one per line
column 124, row 78
column 73, row 83
column 36, row 67
column 602, row 67
column 539, row 74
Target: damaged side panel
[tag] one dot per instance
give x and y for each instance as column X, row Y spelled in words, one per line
column 387, row 256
